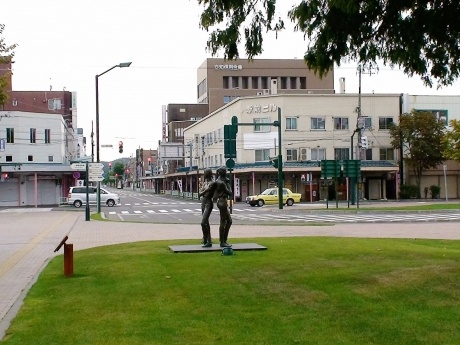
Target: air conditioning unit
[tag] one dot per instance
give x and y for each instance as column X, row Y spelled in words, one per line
column 266, row 91
column 304, row 154
column 259, row 93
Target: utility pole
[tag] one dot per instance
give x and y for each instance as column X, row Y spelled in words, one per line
column 92, row 142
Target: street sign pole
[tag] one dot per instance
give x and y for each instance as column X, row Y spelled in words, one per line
column 87, row 218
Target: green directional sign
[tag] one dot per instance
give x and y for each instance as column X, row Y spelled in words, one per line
column 330, row 168
column 352, row 168
column 230, row 141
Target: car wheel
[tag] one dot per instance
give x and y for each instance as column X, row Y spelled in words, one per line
column 290, row 202
column 110, row 203
column 77, row 203
column 260, row 203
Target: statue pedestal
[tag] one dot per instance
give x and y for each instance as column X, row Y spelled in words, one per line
column 197, row 248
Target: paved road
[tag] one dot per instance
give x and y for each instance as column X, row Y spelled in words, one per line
column 28, row 238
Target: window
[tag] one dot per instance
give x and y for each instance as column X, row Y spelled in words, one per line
column 262, row 155
column 368, row 154
column 318, row 123
column 9, row 158
column 10, row 135
column 291, row 154
column 385, row 122
column 219, row 131
column 33, row 135
column 50, row 159
column 262, row 128
column 365, row 122
column 341, row 153
column 318, row 154
column 341, row 123
column 30, row 158
column 228, row 99
column 387, row 154
column 47, row 136
column 291, row 123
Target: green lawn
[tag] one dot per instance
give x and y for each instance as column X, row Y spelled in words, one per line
column 300, row 291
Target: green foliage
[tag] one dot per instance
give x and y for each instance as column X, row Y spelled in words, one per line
column 119, row 168
column 435, row 191
column 409, row 191
column 452, row 141
column 339, row 291
column 421, row 37
column 421, row 136
column 6, row 55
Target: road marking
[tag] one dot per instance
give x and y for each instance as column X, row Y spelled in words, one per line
column 151, row 211
column 137, row 212
column 163, row 211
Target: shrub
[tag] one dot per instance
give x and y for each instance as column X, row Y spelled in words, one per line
column 408, row 191
column 435, row 191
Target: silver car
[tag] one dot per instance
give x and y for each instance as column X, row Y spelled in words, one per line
column 77, row 197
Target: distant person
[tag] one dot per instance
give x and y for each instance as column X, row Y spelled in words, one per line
column 223, row 191
column 206, row 194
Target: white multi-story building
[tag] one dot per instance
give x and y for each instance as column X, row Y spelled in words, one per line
column 35, row 154
column 313, row 128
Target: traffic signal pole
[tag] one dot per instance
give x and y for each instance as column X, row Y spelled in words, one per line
column 231, row 135
column 280, row 164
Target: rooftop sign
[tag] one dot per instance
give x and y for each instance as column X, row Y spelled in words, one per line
column 228, row 67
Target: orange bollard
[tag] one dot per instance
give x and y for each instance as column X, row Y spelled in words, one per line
column 68, row 260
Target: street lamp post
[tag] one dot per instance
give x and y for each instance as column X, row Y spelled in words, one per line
column 122, row 64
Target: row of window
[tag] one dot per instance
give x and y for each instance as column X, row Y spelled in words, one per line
column 257, row 83
column 30, row 158
column 340, row 123
column 317, row 154
column 32, row 136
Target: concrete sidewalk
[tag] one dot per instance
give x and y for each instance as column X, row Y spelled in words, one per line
column 28, row 239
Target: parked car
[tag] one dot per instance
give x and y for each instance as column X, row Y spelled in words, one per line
column 270, row 196
column 77, row 197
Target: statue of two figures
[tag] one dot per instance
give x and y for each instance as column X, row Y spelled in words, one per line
column 217, row 191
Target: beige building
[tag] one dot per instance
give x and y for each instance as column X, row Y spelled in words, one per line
column 314, row 127
column 220, row 81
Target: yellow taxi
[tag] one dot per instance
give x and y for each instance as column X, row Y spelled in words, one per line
column 270, row 196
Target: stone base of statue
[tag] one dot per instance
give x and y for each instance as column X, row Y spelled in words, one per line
column 196, row 248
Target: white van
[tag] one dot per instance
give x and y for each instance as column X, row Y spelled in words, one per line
column 77, row 197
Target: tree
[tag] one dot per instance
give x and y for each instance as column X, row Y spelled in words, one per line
column 421, row 37
column 6, row 55
column 452, row 141
column 421, row 136
column 119, row 169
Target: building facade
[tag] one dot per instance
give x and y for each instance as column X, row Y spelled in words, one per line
column 220, row 81
column 314, row 127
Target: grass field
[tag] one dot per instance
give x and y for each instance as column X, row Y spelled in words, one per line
column 299, row 291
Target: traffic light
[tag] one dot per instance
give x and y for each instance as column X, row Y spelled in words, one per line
column 274, row 162
column 364, row 143
column 110, row 165
column 120, row 146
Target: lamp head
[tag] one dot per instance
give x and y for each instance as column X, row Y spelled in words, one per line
column 124, row 64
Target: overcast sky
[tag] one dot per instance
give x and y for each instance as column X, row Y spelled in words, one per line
column 65, row 44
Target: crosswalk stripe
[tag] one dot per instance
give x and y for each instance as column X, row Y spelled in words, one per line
column 151, row 211
column 137, row 212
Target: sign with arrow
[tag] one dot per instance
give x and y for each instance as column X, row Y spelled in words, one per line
column 78, row 166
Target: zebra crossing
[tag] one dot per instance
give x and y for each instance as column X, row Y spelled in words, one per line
column 171, row 211
column 253, row 215
column 354, row 218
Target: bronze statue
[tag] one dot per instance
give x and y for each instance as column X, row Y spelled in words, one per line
column 222, row 192
column 207, row 193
